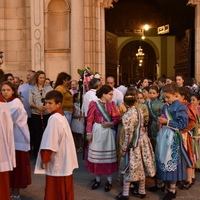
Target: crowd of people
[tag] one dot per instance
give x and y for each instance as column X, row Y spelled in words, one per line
column 146, row 129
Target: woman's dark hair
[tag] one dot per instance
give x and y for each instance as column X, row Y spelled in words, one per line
column 171, row 78
column 140, row 82
column 162, row 80
column 132, row 90
column 37, row 74
column 146, row 88
column 105, row 89
column 154, row 87
column 75, row 96
column 61, row 77
column 55, row 95
column 129, row 99
column 183, row 91
column 5, row 78
column 183, row 77
column 47, row 79
column 197, row 96
column 189, row 82
column 11, row 85
column 170, row 88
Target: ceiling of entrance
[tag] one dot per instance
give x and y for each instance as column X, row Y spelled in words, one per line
column 130, row 15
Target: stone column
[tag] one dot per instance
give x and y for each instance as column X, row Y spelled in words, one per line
column 95, row 34
column 37, row 34
column 77, row 37
column 197, row 42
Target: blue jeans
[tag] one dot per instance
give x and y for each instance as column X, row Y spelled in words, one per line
column 68, row 115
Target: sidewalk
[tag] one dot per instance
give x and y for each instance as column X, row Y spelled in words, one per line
column 83, row 181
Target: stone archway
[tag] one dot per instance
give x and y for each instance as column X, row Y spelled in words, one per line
column 129, row 64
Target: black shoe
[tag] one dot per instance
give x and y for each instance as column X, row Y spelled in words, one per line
column 185, row 186
column 156, row 188
column 193, row 181
column 121, row 197
column 141, row 196
column 169, row 196
column 107, row 187
column 95, row 185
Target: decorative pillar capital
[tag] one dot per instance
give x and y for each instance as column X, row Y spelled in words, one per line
column 106, row 3
column 193, row 2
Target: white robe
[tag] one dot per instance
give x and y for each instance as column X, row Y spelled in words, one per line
column 58, row 138
column 7, row 148
column 118, row 97
column 21, row 131
column 88, row 97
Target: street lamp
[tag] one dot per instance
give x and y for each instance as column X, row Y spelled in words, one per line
column 145, row 28
column 1, row 58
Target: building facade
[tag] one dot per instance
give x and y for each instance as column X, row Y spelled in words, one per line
column 66, row 35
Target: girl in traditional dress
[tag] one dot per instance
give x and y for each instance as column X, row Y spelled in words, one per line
column 77, row 125
column 195, row 100
column 21, row 175
column 171, row 165
column 101, row 117
column 155, row 107
column 145, row 92
column 142, row 84
column 140, row 98
column 184, row 97
column 136, row 149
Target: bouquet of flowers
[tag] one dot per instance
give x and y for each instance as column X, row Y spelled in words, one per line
column 86, row 75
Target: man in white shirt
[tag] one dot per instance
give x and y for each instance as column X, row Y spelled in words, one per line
column 122, row 87
column 118, row 96
column 89, row 96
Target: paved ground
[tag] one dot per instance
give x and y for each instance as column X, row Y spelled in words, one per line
column 83, row 182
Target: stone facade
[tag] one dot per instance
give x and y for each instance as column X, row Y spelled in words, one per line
column 59, row 35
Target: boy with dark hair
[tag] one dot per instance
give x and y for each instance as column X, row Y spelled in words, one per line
column 57, row 155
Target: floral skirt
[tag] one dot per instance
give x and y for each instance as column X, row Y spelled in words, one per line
column 141, row 161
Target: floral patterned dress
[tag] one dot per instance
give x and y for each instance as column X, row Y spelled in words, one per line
column 141, row 157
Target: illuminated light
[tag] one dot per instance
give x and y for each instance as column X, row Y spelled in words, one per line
column 146, row 27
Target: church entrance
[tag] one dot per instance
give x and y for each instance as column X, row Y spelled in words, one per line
column 137, row 60
column 167, row 46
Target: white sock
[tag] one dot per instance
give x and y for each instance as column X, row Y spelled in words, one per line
column 98, row 178
column 109, row 178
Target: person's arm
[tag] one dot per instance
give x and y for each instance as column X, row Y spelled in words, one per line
column 192, row 118
column 32, row 103
column 90, row 120
column 45, row 157
column 180, row 120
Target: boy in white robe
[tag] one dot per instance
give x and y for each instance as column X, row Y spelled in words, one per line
column 57, row 155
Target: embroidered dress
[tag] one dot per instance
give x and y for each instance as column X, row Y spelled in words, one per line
column 171, row 165
column 102, row 158
column 187, row 134
column 122, row 109
column 140, row 155
column 155, row 108
column 196, row 138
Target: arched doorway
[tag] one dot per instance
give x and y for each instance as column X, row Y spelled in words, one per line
column 133, row 67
